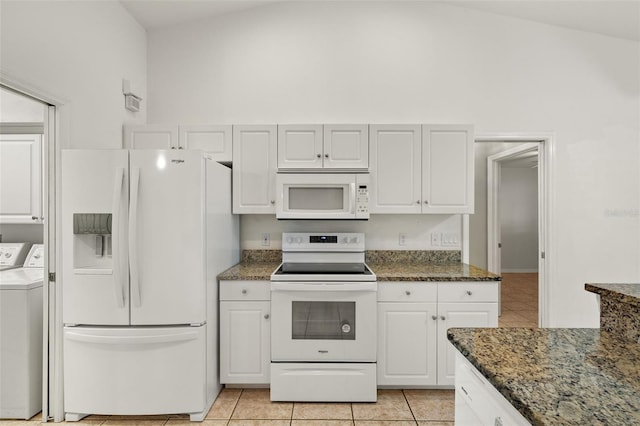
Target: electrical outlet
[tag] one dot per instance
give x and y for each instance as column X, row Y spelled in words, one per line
column 450, row 239
column 436, row 238
column 402, row 239
column 266, row 239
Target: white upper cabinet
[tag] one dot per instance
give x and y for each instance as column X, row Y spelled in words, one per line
column 422, row 169
column 21, row 177
column 346, row 146
column 151, row 136
column 395, row 169
column 447, row 169
column 329, row 146
column 254, row 169
column 213, row 139
column 300, row 146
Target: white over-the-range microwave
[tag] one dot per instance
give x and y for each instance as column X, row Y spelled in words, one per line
column 322, row 196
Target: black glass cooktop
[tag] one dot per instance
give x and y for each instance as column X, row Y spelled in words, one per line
column 323, row 268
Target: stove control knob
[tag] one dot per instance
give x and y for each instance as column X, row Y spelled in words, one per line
column 299, row 240
column 289, row 240
column 345, row 240
column 355, row 240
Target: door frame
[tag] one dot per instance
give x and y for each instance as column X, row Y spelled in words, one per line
column 55, row 130
column 546, row 217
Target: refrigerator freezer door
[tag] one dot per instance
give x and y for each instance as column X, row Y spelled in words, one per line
column 143, row 370
column 167, row 237
column 96, row 279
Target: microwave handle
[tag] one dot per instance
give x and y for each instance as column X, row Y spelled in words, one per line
column 352, row 204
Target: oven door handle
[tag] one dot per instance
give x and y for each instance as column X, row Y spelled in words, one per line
column 324, row 286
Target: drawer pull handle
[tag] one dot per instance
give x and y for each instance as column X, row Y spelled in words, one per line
column 464, row 390
column 469, row 292
column 244, row 291
column 408, row 293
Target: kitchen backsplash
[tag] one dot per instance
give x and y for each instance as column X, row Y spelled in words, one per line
column 382, row 232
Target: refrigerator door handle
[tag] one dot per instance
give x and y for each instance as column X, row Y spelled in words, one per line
column 119, row 283
column 131, row 340
column 133, row 237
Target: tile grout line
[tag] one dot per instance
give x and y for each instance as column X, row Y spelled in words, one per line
column 409, row 405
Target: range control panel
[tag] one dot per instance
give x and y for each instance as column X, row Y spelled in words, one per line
column 13, row 254
column 334, row 241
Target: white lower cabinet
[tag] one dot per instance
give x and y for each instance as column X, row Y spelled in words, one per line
column 478, row 402
column 413, row 319
column 245, row 355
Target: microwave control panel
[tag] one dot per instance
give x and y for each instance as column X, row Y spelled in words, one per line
column 362, row 197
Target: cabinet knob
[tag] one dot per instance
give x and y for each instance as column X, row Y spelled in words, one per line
column 326, row 156
column 37, row 218
column 273, row 201
column 418, row 202
column 318, row 155
column 433, row 317
column 244, row 291
column 469, row 293
column 180, row 147
column 266, row 316
column 426, row 202
column 173, row 147
column 442, row 317
column 408, row 293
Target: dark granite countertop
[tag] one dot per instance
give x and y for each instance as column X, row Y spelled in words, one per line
column 388, row 265
column 558, row 376
column 409, row 271
column 625, row 293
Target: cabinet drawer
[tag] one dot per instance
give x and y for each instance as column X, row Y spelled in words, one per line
column 407, row 292
column 245, row 290
column 471, row 292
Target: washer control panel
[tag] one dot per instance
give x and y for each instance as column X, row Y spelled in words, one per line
column 12, row 255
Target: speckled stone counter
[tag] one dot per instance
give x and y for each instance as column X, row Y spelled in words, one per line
column 388, row 265
column 255, row 265
column 619, row 309
column 558, row 376
column 409, row 271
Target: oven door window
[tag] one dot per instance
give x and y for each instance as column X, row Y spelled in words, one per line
column 323, row 321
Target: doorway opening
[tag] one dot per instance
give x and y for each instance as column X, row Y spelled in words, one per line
column 27, row 116
column 507, row 218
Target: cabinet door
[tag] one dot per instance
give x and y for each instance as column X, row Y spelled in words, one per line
column 447, row 169
column 254, row 169
column 151, row 136
column 346, row 146
column 406, row 344
column 244, row 342
column 395, row 169
column 459, row 315
column 213, row 139
column 300, row 146
column 21, row 177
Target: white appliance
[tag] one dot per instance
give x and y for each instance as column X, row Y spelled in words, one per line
column 144, row 235
column 322, row 196
column 21, row 337
column 12, row 255
column 323, row 320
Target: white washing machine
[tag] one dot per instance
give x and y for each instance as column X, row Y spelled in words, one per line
column 21, row 337
column 12, row 255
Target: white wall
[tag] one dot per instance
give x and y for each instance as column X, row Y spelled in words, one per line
column 381, row 231
column 78, row 51
column 15, row 108
column 478, row 220
column 519, row 219
column 429, row 62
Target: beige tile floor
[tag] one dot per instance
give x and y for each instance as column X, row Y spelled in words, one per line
column 519, row 294
column 252, row 407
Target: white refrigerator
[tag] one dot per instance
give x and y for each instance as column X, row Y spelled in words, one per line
column 144, row 235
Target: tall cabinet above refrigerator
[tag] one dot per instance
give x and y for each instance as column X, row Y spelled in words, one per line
column 144, row 235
